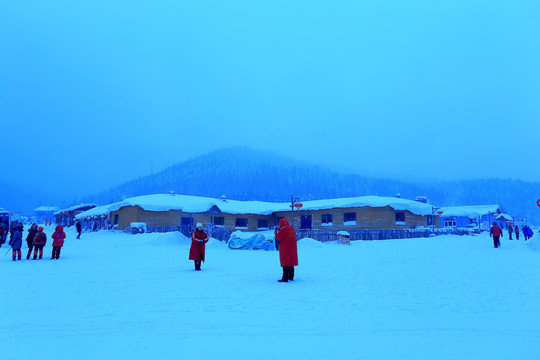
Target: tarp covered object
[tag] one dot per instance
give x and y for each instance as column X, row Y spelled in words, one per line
column 256, row 241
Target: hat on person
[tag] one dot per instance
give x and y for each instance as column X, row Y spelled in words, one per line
column 199, row 225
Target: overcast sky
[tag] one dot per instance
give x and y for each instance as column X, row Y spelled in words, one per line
column 95, row 93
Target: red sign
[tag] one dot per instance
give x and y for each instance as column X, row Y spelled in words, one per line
column 538, row 202
column 298, row 205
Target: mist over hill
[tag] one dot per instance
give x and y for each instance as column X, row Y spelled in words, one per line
column 241, row 173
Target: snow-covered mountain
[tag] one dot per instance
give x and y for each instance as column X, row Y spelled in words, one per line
column 244, row 174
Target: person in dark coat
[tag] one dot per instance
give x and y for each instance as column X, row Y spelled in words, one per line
column 496, row 233
column 517, row 232
column 39, row 243
column 527, row 232
column 30, row 239
column 16, row 242
column 78, row 226
column 58, row 241
column 199, row 238
column 510, row 231
column 288, row 250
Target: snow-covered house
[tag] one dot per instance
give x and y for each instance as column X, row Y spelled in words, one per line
column 477, row 216
column 367, row 212
column 66, row 217
column 45, row 214
column 364, row 212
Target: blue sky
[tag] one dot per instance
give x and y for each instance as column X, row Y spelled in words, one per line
column 94, row 93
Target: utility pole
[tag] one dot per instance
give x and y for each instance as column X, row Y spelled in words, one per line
column 293, row 202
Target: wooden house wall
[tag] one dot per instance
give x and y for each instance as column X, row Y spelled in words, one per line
column 366, row 218
column 129, row 214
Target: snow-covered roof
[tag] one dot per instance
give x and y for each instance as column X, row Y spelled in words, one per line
column 46, row 208
column 98, row 211
column 504, row 217
column 198, row 204
column 371, row 201
column 75, row 207
column 473, row 211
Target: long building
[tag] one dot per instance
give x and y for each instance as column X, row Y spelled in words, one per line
column 170, row 210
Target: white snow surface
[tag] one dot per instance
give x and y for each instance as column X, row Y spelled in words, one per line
column 199, row 204
column 119, row 296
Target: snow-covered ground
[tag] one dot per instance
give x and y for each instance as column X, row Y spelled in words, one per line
column 120, row 296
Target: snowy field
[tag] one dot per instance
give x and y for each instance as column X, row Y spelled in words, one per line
column 120, row 296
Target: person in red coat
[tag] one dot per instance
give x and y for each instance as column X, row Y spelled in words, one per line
column 517, row 232
column 496, row 232
column 197, row 250
column 288, row 252
column 58, row 241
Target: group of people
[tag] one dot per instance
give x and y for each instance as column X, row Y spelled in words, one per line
column 285, row 236
column 496, row 233
column 527, row 232
column 36, row 240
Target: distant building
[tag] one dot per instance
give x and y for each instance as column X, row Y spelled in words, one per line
column 66, row 217
column 475, row 216
column 179, row 212
column 45, row 214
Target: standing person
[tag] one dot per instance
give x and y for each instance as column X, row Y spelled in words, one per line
column 30, row 239
column 79, row 228
column 12, row 228
column 3, row 233
column 497, row 233
column 197, row 250
column 39, row 243
column 58, row 241
column 527, row 232
column 517, row 232
column 510, row 231
column 16, row 242
column 288, row 251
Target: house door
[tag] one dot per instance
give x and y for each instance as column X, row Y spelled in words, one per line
column 305, row 222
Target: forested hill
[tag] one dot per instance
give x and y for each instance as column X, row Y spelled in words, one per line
column 244, row 174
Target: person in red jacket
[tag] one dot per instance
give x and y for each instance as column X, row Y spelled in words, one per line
column 497, row 233
column 58, row 241
column 197, row 250
column 517, row 232
column 39, row 242
column 288, row 251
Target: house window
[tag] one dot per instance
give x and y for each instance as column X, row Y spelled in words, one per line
column 400, row 218
column 115, row 219
column 450, row 222
column 241, row 223
column 349, row 218
column 262, row 224
column 326, row 220
column 219, row 221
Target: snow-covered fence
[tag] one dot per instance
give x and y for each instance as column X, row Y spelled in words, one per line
column 382, row 234
column 219, row 234
column 184, row 229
